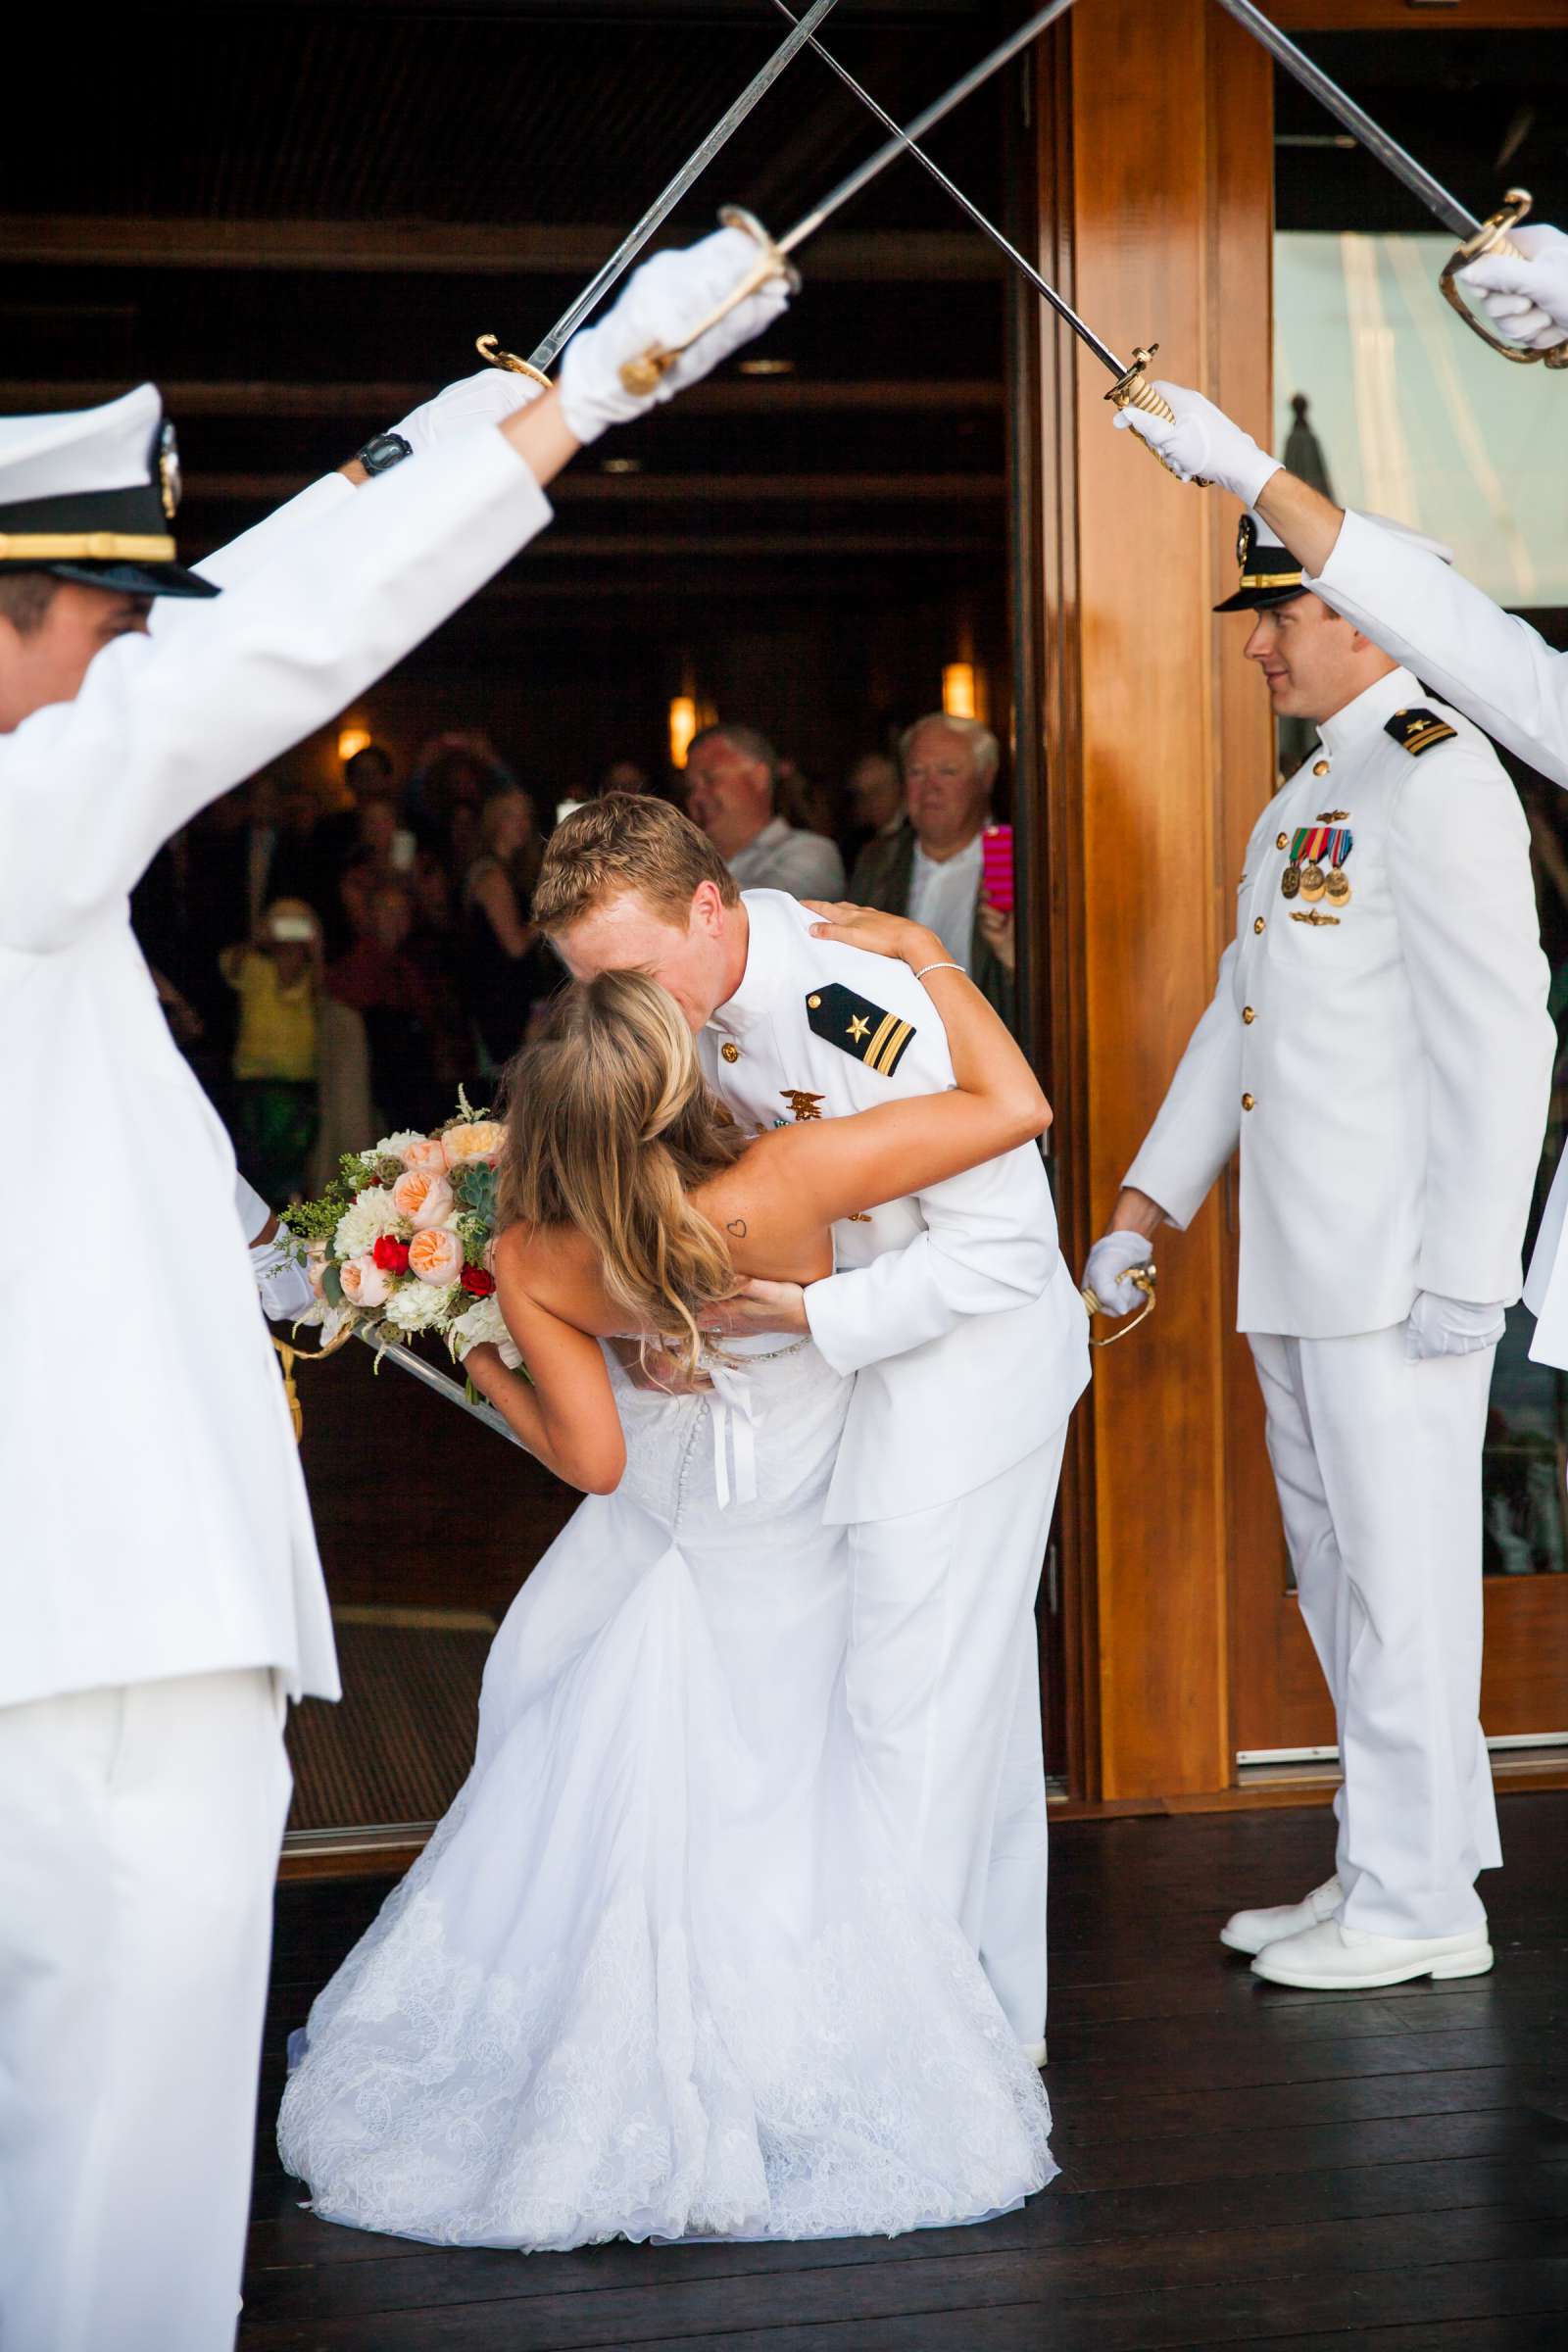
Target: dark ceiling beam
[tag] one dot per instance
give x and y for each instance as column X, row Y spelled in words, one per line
column 584, row 488
column 97, row 240
column 734, row 396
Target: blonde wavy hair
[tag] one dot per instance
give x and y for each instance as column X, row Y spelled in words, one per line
column 610, row 1124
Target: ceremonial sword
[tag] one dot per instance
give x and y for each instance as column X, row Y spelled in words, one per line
column 1478, row 236
column 659, row 210
column 1130, row 383
column 1131, row 389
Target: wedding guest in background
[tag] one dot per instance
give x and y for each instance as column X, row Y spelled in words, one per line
column 381, row 980
column 505, row 964
column 932, row 868
column 624, row 775
column 276, row 978
column 732, row 794
column 874, row 791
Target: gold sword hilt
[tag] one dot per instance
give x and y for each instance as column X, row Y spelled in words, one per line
column 1135, row 391
column 490, row 351
column 643, row 374
column 1493, row 237
column 1141, row 1278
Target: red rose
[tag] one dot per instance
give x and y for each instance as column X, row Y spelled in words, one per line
column 476, row 1282
column 391, row 1255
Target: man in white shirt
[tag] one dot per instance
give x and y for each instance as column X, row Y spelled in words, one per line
column 932, row 869
column 732, row 785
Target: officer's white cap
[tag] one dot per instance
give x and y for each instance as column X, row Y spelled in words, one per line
column 110, row 448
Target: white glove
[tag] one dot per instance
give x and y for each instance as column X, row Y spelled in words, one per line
column 663, row 301
column 488, row 398
column 1440, row 1326
column 282, row 1281
column 1111, row 1261
column 509, row 1353
column 1203, row 444
column 1526, row 294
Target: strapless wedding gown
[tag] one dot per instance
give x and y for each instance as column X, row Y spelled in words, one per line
column 661, row 1972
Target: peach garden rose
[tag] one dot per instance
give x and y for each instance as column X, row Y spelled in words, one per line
column 423, row 1199
column 426, row 1157
column 435, row 1256
column 476, row 1139
column 364, row 1283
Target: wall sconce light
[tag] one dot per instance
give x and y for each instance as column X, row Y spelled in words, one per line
column 958, row 690
column 351, row 741
column 768, row 364
column 682, row 728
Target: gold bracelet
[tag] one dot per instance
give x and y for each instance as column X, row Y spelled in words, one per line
column 937, row 968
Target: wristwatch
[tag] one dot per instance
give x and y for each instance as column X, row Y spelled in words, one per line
column 382, row 451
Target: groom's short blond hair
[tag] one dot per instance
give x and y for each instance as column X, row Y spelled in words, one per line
column 626, row 840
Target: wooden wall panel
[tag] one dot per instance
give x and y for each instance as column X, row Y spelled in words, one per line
column 1166, row 239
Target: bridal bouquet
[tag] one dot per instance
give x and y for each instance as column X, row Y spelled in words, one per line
column 403, row 1238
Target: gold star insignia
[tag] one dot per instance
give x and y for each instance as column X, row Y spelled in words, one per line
column 858, row 1027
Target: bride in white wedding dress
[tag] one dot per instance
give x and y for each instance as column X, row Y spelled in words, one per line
column 662, row 1971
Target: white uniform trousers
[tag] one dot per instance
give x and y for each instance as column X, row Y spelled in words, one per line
column 1378, row 1465
column 139, row 1832
column 943, row 1680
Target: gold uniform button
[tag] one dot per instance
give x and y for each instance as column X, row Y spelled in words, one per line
column 1282, row 841
column 814, row 1003
column 1258, row 924
column 1320, row 768
column 1249, row 1016
column 1246, row 1102
column 730, row 1052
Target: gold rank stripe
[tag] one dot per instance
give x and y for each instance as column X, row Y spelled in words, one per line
column 1425, row 735
column 1271, row 579
column 887, row 1045
column 84, row 547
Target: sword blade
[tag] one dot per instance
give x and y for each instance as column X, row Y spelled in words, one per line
column 875, row 165
column 664, row 203
column 453, row 1390
column 987, row 227
column 1356, row 121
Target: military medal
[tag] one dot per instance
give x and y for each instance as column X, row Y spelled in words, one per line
column 1313, row 884
column 1337, row 883
column 1290, row 881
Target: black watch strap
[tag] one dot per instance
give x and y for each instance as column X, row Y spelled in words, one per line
column 383, row 450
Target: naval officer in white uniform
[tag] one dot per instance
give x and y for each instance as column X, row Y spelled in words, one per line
column 954, row 1310
column 1487, row 663
column 160, row 1591
column 1379, row 1049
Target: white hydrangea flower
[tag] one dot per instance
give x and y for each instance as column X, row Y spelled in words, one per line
column 393, row 1147
column 417, row 1306
column 482, row 1325
column 361, row 1227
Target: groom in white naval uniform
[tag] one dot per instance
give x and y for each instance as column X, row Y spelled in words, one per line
column 1379, row 1048
column 160, row 1591
column 956, row 1315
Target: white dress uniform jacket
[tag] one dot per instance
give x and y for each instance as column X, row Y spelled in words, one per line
column 952, row 1307
column 156, row 1521
column 1384, row 1062
column 1495, row 667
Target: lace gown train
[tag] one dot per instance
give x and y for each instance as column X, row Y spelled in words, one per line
column 660, row 1973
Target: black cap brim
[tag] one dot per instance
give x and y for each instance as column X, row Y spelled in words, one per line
column 1258, row 600
column 126, row 580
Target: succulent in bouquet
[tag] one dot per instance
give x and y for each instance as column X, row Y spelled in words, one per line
column 403, row 1238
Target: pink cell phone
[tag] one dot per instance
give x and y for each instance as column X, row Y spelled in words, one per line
column 996, row 867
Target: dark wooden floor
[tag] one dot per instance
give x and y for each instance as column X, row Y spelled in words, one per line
column 1241, row 2164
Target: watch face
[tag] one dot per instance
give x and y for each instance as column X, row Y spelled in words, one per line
column 386, row 449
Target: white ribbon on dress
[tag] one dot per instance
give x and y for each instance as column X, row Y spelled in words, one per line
column 731, row 1410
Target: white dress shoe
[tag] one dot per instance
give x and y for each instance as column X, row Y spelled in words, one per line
column 1332, row 1957
column 1034, row 2052
column 1251, row 1931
